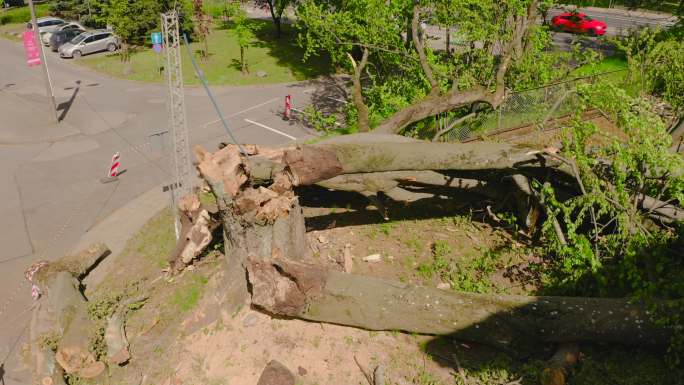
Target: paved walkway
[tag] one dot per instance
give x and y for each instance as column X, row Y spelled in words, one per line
column 50, row 194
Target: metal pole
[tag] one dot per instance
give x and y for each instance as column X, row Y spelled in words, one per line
column 200, row 75
column 46, row 73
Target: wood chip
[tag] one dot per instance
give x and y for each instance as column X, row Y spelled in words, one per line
column 372, row 258
column 348, row 258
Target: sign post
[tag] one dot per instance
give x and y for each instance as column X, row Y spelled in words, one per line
column 157, row 47
column 39, row 46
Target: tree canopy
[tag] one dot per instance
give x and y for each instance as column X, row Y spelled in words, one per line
column 399, row 78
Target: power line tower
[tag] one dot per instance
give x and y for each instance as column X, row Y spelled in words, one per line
column 182, row 185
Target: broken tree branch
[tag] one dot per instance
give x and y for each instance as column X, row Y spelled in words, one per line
column 357, row 94
column 559, row 365
column 434, row 104
column 418, row 44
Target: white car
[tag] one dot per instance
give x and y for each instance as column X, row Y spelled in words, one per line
column 45, row 36
column 47, row 24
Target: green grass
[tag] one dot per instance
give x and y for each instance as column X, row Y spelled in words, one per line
column 281, row 59
column 12, row 31
column 22, row 14
column 608, row 65
column 186, row 297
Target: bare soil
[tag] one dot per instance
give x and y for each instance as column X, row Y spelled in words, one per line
column 182, row 336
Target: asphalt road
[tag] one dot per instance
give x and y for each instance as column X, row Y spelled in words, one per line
column 619, row 23
column 50, row 193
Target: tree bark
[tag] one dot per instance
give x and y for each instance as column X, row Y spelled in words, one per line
column 295, row 289
column 418, row 44
column 558, row 367
column 357, row 94
column 60, row 317
column 243, row 64
column 257, row 221
column 197, row 227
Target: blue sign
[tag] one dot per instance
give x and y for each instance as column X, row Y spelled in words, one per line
column 156, row 38
column 157, row 48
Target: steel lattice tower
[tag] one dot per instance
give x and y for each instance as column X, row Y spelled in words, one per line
column 182, row 167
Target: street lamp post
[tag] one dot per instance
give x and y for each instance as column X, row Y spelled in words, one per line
column 46, row 73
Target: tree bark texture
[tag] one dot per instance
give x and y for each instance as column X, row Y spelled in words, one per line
column 295, row 289
column 557, row 368
column 357, row 91
column 60, row 318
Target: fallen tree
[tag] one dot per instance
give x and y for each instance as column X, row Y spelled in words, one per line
column 295, row 289
column 264, row 237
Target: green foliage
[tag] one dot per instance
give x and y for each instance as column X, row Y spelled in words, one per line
column 49, row 340
column 244, row 32
column 187, row 296
column 85, row 11
column 132, row 20
column 276, row 8
column 613, row 248
column 318, row 120
column 655, row 60
column 440, row 264
column 99, row 311
column 394, row 77
column 469, row 274
column 665, row 75
column 22, row 14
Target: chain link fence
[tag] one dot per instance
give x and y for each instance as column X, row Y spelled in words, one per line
column 537, row 106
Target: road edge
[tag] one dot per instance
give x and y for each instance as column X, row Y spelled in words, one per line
column 118, row 227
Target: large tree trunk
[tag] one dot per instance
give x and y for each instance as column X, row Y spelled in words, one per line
column 264, row 233
column 296, row 289
column 257, row 221
column 59, row 320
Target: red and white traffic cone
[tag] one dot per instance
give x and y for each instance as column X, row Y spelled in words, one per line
column 113, row 172
column 288, row 107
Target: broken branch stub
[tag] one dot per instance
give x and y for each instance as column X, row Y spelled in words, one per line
column 508, row 321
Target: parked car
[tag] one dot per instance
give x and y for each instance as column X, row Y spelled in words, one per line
column 45, row 36
column 60, row 38
column 47, row 24
column 577, row 22
column 90, row 42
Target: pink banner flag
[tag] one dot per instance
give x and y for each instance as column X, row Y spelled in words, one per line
column 32, row 50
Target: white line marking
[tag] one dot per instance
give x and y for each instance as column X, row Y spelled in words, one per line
column 242, row 111
column 271, row 129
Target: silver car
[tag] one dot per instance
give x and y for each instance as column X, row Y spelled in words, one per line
column 90, row 42
column 47, row 24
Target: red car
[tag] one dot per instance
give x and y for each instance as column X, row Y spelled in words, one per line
column 577, row 22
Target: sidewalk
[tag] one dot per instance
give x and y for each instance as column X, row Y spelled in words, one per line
column 116, row 229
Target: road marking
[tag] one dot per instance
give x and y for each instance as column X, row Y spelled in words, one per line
column 242, row 111
column 270, row 129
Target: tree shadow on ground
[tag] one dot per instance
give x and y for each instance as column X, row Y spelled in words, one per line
column 518, row 341
column 357, row 210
